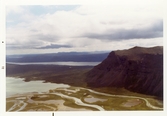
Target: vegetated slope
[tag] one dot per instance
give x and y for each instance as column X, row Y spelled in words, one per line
column 137, row 69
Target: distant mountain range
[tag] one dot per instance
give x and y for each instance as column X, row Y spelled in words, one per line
column 58, row 57
column 137, row 69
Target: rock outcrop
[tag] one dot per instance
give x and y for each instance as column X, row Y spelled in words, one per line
column 137, row 69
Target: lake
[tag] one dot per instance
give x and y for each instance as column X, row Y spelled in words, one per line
column 19, row 86
column 58, row 63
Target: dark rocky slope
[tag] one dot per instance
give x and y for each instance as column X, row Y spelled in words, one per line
column 137, row 69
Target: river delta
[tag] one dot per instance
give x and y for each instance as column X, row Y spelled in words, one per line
column 69, row 98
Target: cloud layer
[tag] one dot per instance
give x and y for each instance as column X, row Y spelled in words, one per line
column 54, row 46
column 153, row 31
column 83, row 28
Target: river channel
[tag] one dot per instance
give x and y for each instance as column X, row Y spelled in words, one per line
column 39, row 96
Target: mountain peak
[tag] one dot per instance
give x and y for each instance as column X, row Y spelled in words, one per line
column 136, row 52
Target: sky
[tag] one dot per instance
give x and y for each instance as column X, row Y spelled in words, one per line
column 32, row 29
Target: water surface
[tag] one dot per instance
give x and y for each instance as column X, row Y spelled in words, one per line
column 58, row 63
column 19, row 86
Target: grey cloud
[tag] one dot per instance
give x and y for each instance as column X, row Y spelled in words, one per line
column 49, row 38
column 29, row 44
column 18, row 46
column 53, row 46
column 13, row 46
column 154, row 31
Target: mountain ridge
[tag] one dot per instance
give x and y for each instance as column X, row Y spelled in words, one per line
column 137, row 69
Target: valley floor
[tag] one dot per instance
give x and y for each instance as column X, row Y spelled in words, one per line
column 77, row 97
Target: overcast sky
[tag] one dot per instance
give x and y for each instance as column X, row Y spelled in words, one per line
column 65, row 28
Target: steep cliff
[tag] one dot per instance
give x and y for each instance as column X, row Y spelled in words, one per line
column 137, row 69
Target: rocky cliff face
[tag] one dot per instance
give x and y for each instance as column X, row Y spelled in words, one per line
column 137, row 69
